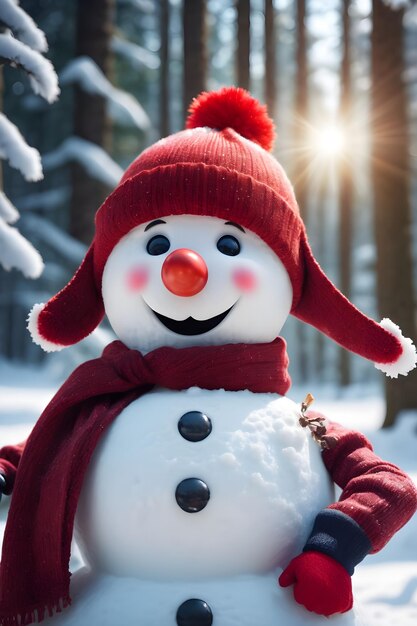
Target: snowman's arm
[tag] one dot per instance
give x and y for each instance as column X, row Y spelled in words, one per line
column 9, row 461
column 377, row 499
column 376, row 494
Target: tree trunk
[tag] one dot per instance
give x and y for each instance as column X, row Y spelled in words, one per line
column 93, row 33
column 164, row 71
column 300, row 158
column 345, row 183
column 391, row 178
column 320, row 255
column 195, row 50
column 243, row 44
column 270, row 59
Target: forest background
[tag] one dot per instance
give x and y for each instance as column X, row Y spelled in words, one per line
column 339, row 78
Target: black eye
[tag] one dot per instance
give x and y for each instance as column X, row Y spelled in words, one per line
column 158, row 245
column 228, row 245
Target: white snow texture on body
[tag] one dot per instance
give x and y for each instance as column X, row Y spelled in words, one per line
column 96, row 162
column 408, row 358
column 32, row 326
column 236, row 601
column 265, row 474
column 22, row 25
column 123, row 107
column 17, row 252
column 267, row 482
column 8, row 212
column 16, row 151
column 42, row 76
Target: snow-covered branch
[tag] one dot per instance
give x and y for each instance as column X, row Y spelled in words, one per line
column 143, row 5
column 22, row 25
column 123, row 107
column 16, row 151
column 136, row 55
column 47, row 200
column 93, row 158
column 398, row 4
column 42, row 76
column 8, row 212
column 17, row 252
column 52, row 237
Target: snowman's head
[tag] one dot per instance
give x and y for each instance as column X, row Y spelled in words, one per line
column 185, row 280
column 202, row 243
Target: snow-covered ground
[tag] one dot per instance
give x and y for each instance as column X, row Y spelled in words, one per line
column 385, row 584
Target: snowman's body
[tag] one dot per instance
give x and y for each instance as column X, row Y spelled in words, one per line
column 258, row 479
column 147, row 555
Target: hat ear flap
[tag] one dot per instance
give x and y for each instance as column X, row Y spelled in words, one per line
column 72, row 314
column 323, row 306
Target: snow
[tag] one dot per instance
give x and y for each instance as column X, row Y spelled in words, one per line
column 47, row 200
column 16, row 151
column 398, row 4
column 42, row 76
column 22, row 25
column 146, row 6
column 137, row 55
column 407, row 360
column 123, row 107
column 384, row 584
column 7, row 211
column 96, row 162
column 17, row 252
column 69, row 249
column 274, row 472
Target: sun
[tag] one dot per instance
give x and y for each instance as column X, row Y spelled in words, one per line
column 328, row 141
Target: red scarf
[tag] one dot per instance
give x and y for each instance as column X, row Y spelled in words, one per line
column 34, row 576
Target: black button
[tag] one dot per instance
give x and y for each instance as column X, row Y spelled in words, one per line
column 194, row 426
column 192, row 495
column 194, row 613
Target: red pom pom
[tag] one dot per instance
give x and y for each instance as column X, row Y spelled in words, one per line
column 233, row 107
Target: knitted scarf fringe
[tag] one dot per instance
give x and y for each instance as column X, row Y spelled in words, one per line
column 35, row 614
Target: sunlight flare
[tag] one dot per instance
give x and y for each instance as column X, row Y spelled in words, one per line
column 329, row 141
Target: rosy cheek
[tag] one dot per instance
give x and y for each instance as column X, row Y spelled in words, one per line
column 137, row 278
column 245, row 280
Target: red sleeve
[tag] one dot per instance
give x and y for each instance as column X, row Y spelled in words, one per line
column 376, row 494
column 9, row 462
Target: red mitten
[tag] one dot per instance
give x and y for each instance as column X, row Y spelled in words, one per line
column 321, row 584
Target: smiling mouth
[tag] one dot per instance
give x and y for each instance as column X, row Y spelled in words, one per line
column 191, row 326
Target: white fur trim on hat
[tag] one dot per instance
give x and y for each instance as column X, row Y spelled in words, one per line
column 407, row 360
column 32, row 327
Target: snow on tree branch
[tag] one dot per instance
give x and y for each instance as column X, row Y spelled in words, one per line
column 93, row 158
column 17, row 252
column 16, row 151
column 7, row 211
column 398, row 4
column 22, row 25
column 123, row 107
column 47, row 200
column 143, row 5
column 42, row 76
column 137, row 55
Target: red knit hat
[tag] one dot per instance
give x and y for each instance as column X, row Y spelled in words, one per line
column 220, row 167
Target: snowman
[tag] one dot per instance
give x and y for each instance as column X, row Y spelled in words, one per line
column 194, row 487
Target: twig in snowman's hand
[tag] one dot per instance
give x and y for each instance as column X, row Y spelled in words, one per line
column 316, row 425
